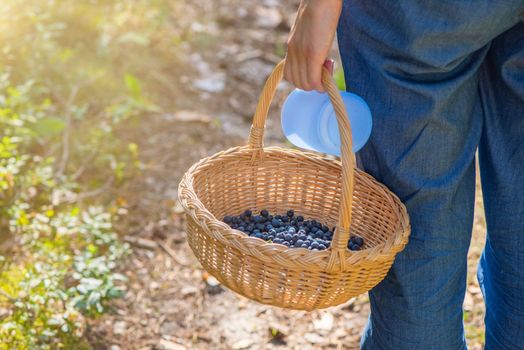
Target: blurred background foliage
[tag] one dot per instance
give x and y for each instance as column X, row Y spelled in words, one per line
column 73, row 76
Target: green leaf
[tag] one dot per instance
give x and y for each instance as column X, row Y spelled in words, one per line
column 48, row 127
column 339, row 79
column 93, row 298
column 133, row 86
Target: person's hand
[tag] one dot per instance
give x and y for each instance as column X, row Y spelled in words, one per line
column 309, row 43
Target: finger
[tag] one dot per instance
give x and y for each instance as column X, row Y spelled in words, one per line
column 302, row 75
column 289, row 69
column 288, row 73
column 314, row 71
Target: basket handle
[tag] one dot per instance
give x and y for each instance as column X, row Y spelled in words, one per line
column 256, row 141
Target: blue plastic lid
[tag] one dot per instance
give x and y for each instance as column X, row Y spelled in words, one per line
column 309, row 121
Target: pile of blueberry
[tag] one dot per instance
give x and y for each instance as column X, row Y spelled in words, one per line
column 288, row 229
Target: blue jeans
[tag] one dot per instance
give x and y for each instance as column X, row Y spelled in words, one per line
column 443, row 78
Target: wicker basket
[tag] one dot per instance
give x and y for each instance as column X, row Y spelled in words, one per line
column 278, row 179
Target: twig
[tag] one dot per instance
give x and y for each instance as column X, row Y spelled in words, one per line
column 65, row 136
column 172, row 254
column 93, row 193
column 141, row 242
column 84, row 165
column 67, row 108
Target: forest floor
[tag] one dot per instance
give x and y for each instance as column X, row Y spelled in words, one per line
column 171, row 302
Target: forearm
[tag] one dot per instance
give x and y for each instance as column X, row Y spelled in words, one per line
column 309, row 42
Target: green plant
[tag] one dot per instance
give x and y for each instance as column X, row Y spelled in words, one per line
column 75, row 79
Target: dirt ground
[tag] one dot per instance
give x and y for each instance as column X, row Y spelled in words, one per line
column 172, row 303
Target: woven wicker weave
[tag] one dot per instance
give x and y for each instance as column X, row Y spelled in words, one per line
column 278, row 179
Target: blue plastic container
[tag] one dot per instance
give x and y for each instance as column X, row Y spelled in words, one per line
column 308, row 121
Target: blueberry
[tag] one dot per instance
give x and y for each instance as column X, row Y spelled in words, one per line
column 234, row 226
column 314, row 245
column 272, row 232
column 314, row 229
column 299, row 242
column 258, row 235
column 290, row 213
column 288, row 236
column 325, row 228
column 292, row 229
column 359, row 241
column 259, row 226
column 248, row 213
column 277, row 240
column 241, row 228
column 294, row 237
column 286, row 243
column 278, row 217
column 270, row 217
column 280, row 235
column 275, row 223
column 321, row 246
column 293, row 222
column 301, row 232
column 354, row 247
column 300, row 218
column 264, row 213
column 304, row 245
column 285, row 219
column 271, row 237
column 257, row 218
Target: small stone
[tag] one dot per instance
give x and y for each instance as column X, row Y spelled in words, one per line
column 213, row 285
column 119, row 327
column 215, row 82
column 468, row 302
column 325, row 323
column 164, row 344
column 268, row 17
column 242, row 344
column 474, row 289
column 189, row 290
column 314, row 338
